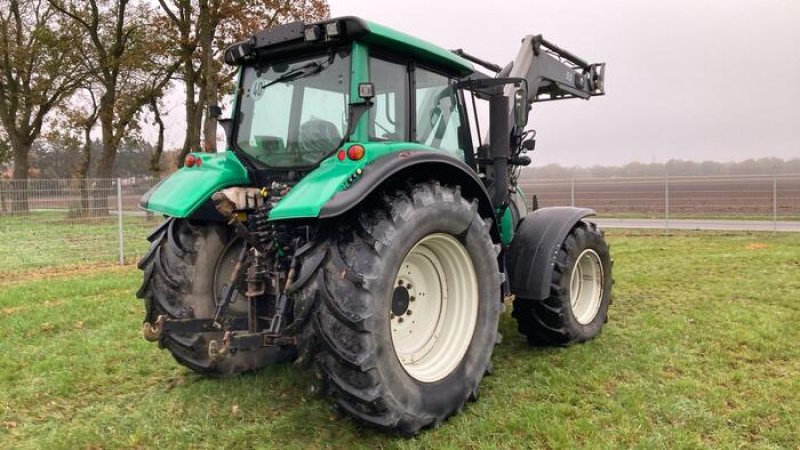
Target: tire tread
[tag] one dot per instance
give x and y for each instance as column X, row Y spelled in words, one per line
column 545, row 322
column 339, row 294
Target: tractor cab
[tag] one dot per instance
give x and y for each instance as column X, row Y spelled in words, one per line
column 305, row 91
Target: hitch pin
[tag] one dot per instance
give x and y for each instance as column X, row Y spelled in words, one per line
column 153, row 332
column 217, row 350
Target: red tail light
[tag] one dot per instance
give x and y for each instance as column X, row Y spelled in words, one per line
column 355, row 152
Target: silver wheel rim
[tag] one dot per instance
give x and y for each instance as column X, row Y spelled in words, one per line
column 434, row 307
column 586, row 286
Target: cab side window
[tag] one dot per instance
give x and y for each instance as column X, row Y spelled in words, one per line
column 388, row 117
column 438, row 112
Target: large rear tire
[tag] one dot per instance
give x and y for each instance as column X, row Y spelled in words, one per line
column 183, row 276
column 399, row 307
column 580, row 293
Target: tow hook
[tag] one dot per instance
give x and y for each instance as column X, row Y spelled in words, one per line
column 152, row 332
column 217, row 350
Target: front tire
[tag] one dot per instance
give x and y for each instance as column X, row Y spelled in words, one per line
column 580, row 293
column 401, row 306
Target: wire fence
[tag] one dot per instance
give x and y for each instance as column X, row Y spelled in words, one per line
column 72, row 222
column 46, row 223
column 758, row 197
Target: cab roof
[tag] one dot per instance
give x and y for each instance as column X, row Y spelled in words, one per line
column 297, row 36
column 404, row 43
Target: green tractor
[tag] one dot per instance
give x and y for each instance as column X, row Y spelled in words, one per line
column 360, row 223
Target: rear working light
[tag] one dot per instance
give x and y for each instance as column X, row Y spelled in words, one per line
column 190, row 161
column 332, row 29
column 312, row 33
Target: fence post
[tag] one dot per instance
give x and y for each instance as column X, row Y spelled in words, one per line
column 666, row 204
column 119, row 222
column 774, row 204
column 572, row 192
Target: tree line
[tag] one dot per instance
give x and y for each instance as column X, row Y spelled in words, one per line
column 74, row 69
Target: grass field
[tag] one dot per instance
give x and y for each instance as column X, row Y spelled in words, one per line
column 702, row 349
column 50, row 239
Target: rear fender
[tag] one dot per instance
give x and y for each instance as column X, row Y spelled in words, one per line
column 339, row 184
column 534, row 249
column 187, row 190
column 419, row 165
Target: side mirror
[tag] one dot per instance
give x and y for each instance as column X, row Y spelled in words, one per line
column 366, row 91
column 214, row 112
column 520, row 108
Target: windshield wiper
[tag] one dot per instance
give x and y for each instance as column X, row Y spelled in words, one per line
column 301, row 72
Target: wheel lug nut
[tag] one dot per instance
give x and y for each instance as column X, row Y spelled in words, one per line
column 399, row 282
column 412, row 298
column 400, row 319
column 408, row 286
column 408, row 313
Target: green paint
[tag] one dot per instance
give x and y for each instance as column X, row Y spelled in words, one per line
column 507, row 227
column 404, row 43
column 359, row 74
column 307, row 197
column 184, row 191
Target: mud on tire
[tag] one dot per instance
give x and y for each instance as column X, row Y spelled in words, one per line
column 344, row 298
column 179, row 272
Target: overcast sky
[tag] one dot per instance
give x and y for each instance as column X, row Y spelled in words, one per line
column 686, row 79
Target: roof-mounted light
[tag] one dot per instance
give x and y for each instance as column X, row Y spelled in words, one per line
column 313, row 33
column 238, row 52
column 332, row 29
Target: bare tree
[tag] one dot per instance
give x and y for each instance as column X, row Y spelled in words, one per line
column 155, row 157
column 85, row 120
column 202, row 29
column 5, row 155
column 126, row 57
column 5, row 149
column 38, row 69
column 182, row 17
